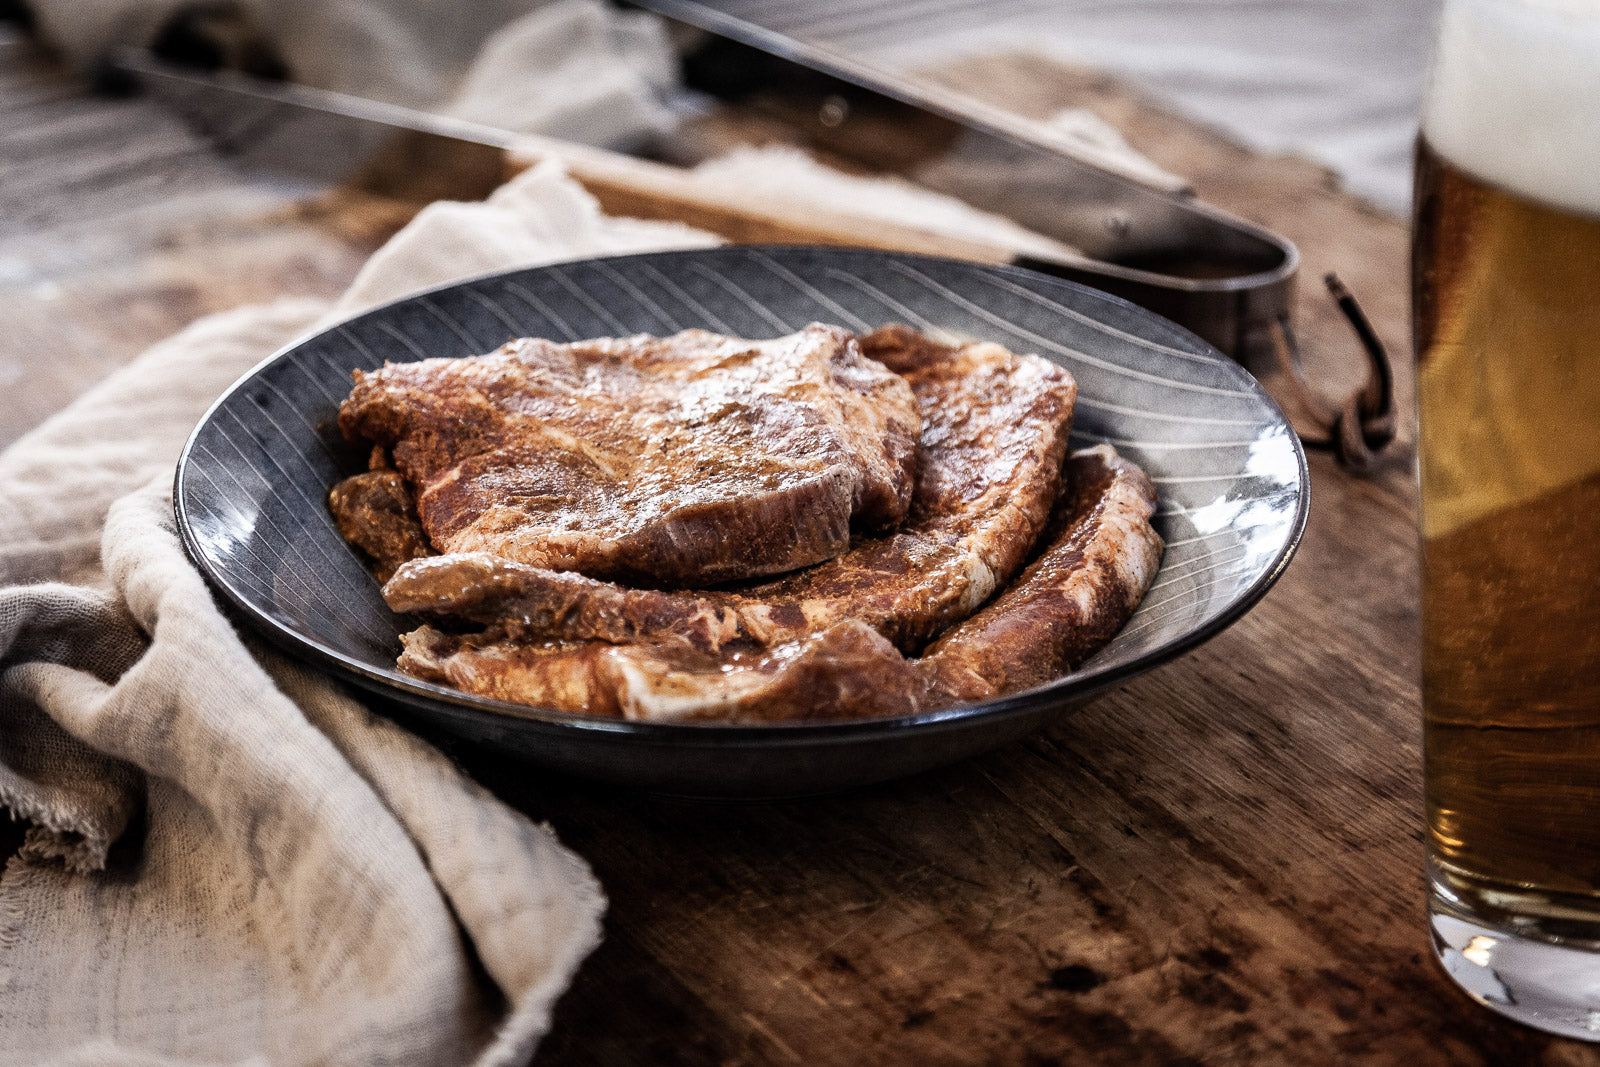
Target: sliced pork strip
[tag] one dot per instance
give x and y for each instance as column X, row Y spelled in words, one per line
column 563, row 676
column 540, row 604
column 847, row 671
column 1070, row 601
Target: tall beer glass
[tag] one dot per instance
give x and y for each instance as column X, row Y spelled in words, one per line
column 1506, row 302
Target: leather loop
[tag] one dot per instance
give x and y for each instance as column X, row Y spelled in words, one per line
column 1359, row 427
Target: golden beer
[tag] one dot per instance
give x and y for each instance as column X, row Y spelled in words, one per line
column 1508, row 342
column 1506, row 302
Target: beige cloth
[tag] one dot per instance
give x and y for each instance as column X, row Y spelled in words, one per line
column 231, row 860
column 579, row 69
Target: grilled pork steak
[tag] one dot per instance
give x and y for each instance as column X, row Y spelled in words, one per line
column 679, row 461
column 994, row 432
column 1068, row 603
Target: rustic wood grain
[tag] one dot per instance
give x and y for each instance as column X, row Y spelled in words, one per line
column 1219, row 862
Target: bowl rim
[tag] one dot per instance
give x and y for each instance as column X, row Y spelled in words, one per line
column 1069, row 688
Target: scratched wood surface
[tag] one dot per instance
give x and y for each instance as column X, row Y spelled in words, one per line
column 1218, row 862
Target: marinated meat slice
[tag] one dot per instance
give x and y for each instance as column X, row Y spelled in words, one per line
column 542, row 605
column 375, row 512
column 564, row 676
column 847, row 671
column 1065, row 606
column 1070, row 601
column 687, row 460
column 994, row 433
column 994, row 436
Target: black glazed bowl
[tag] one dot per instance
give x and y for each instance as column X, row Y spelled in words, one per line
column 252, row 482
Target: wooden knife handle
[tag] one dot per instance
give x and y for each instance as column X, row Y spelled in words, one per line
column 642, row 189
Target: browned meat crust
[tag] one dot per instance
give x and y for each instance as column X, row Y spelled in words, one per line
column 687, row 460
column 553, row 675
column 1067, row 604
column 994, row 431
column 994, row 434
column 1070, row 601
column 847, row 671
column 375, row 512
column 538, row 604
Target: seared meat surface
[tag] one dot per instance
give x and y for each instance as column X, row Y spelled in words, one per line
column 1069, row 601
column 680, row 461
column 540, row 604
column 374, row 511
column 988, row 468
column 1103, row 555
column 862, row 507
column 846, row 671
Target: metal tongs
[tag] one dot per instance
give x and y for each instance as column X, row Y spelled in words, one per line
column 1157, row 245
column 1144, row 237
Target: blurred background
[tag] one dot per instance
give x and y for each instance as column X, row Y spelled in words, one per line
column 122, row 218
column 1336, row 81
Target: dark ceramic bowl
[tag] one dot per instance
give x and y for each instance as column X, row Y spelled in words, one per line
column 252, row 481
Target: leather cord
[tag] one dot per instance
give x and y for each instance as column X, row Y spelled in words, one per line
column 1361, row 425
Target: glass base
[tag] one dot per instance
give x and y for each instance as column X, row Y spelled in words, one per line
column 1512, row 965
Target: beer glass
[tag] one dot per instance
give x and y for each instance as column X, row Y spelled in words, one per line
column 1506, row 306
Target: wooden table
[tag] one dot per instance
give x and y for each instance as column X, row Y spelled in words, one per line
column 1220, row 861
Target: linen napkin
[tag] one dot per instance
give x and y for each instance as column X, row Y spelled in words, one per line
column 579, row 69
column 230, row 859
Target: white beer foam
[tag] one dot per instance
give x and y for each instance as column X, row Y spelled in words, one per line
column 1515, row 97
